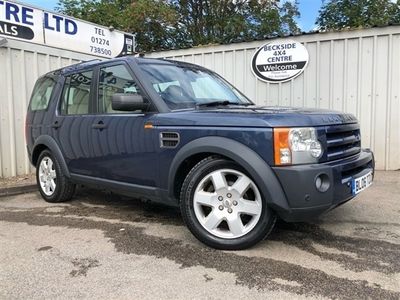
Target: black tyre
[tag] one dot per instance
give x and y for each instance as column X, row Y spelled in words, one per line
column 53, row 185
column 223, row 207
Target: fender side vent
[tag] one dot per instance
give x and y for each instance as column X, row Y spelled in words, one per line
column 169, row 139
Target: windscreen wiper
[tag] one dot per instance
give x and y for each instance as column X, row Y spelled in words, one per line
column 220, row 103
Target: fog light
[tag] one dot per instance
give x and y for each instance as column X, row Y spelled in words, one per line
column 322, row 183
column 318, row 182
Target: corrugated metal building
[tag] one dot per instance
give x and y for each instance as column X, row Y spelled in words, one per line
column 355, row 71
column 21, row 63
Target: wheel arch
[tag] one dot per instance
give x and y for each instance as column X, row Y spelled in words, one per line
column 260, row 171
column 47, row 142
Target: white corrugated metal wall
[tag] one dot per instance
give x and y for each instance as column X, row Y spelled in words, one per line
column 21, row 64
column 354, row 71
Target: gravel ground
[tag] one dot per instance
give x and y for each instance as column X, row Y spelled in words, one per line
column 17, row 181
column 103, row 246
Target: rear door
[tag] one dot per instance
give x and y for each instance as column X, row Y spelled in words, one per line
column 74, row 117
column 123, row 149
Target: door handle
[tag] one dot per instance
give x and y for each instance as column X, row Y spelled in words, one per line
column 100, row 125
column 55, row 125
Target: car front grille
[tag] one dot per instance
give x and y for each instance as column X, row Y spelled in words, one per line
column 342, row 141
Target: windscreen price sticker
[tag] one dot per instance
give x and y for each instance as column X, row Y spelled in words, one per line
column 279, row 61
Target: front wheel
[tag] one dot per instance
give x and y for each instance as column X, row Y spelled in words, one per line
column 223, row 207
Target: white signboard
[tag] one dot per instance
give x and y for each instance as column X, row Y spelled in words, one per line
column 26, row 23
column 279, row 61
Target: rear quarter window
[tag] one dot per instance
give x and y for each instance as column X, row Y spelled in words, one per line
column 42, row 92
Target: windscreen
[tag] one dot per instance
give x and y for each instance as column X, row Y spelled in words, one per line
column 184, row 87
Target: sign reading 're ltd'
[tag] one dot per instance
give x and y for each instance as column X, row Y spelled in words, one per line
column 279, row 61
column 23, row 22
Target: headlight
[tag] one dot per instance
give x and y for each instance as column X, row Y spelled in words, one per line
column 296, row 146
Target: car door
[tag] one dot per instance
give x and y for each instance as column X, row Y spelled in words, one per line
column 123, row 149
column 74, row 117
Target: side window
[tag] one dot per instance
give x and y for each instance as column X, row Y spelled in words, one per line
column 42, row 93
column 76, row 94
column 114, row 80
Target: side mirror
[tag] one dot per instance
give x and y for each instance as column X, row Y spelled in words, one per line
column 128, row 102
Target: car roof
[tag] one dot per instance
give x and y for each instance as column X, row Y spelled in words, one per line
column 139, row 60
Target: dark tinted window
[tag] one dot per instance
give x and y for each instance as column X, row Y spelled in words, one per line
column 42, row 93
column 114, row 80
column 76, row 94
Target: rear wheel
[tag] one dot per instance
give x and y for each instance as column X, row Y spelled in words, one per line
column 52, row 184
column 223, row 207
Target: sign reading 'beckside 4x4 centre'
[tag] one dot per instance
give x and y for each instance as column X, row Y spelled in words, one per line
column 26, row 23
column 279, row 61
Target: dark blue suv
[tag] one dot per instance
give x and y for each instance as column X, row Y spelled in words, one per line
column 179, row 134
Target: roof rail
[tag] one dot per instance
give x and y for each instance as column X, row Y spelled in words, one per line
column 83, row 63
column 91, row 60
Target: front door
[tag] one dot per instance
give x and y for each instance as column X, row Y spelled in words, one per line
column 123, row 149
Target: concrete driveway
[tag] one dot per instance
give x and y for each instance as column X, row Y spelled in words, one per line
column 101, row 246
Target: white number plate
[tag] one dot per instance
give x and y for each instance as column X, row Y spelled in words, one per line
column 361, row 183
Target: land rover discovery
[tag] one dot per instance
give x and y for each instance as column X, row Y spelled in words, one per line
column 179, row 134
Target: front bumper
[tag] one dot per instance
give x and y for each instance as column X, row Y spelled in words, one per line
column 305, row 201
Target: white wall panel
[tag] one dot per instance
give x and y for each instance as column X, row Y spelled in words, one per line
column 351, row 76
column 324, row 69
column 366, row 87
column 356, row 71
column 393, row 121
column 21, row 64
column 311, row 82
column 380, row 100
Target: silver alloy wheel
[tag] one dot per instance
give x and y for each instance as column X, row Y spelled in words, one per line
column 227, row 203
column 47, row 176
